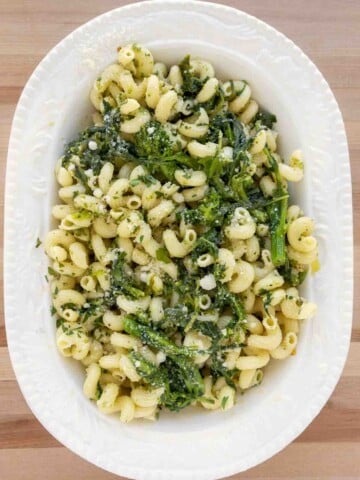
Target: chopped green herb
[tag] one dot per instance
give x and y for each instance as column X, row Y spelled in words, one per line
column 52, row 272
column 162, row 255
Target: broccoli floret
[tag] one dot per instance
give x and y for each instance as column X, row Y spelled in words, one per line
column 106, row 143
column 210, row 211
column 260, row 215
column 148, row 371
column 154, row 141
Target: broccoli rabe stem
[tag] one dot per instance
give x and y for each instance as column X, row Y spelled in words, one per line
column 277, row 214
column 154, row 339
column 224, row 298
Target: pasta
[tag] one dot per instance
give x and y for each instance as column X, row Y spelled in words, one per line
column 177, row 259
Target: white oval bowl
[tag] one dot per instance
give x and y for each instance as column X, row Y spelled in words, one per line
column 53, row 107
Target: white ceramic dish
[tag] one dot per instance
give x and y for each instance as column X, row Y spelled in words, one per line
column 53, row 107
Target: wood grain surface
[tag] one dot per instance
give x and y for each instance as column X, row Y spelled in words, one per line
column 329, row 33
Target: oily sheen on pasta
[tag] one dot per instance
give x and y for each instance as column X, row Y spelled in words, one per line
column 178, row 254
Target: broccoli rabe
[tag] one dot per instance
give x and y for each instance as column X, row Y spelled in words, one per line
column 208, row 242
column 179, row 375
column 232, row 179
column 264, row 118
column 177, row 316
column 157, row 150
column 240, row 183
column 293, row 273
column 154, row 339
column 209, row 329
column 179, row 391
column 191, row 83
column 277, row 215
column 218, row 369
column 209, row 212
column 154, row 141
column 148, row 371
column 121, row 281
column 225, row 126
column 97, row 145
column 214, row 167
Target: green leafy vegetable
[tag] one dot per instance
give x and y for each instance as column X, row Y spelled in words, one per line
column 191, row 83
column 293, row 274
column 224, row 298
column 153, row 140
column 121, row 280
column 176, row 317
column 226, row 126
column 277, row 216
column 179, row 375
column 154, row 339
column 159, row 152
column 209, row 242
column 110, row 147
column 53, row 273
column 219, row 370
column 183, row 300
column 224, row 402
column 266, row 119
column 149, row 372
column 210, row 211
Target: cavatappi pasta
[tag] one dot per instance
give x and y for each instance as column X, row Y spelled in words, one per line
column 177, row 257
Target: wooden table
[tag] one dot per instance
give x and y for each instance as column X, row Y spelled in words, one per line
column 329, row 32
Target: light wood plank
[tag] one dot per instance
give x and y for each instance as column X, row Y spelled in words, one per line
column 330, row 462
